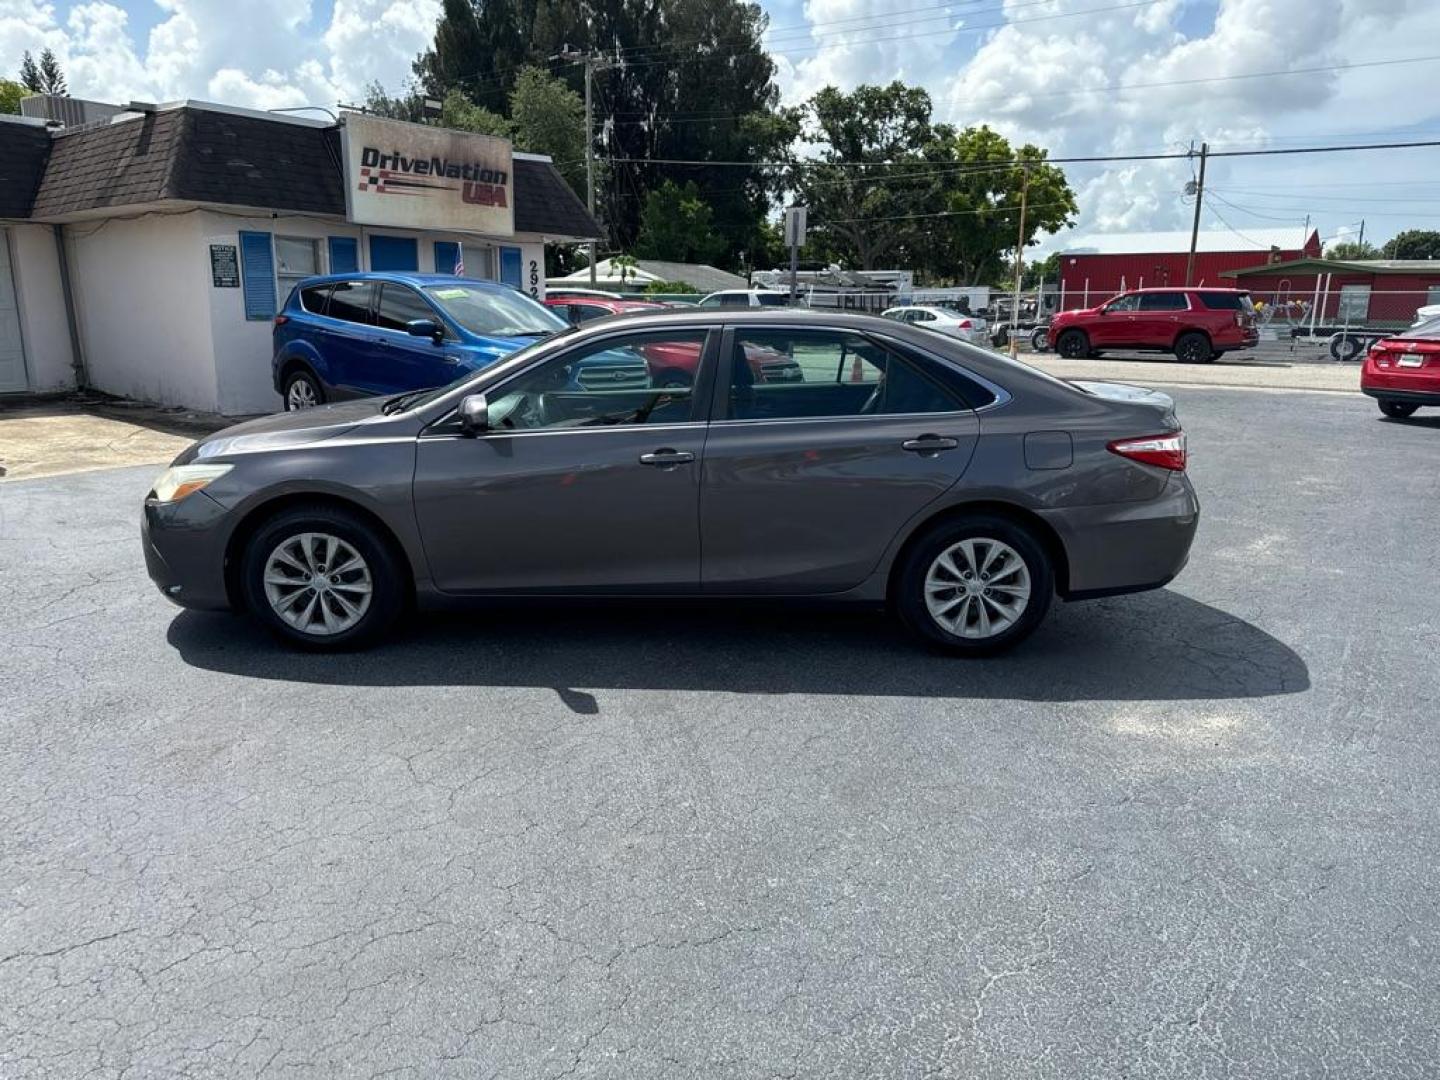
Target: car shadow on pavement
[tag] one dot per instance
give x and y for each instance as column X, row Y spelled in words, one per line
column 1155, row 646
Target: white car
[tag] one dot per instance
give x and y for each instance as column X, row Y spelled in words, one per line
column 751, row 298
column 969, row 328
column 1425, row 314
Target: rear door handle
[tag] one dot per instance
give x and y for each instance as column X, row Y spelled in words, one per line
column 929, row 444
column 665, row 458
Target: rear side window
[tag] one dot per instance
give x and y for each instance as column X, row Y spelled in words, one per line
column 580, row 313
column 773, row 299
column 315, row 298
column 731, row 300
column 351, row 301
column 1163, row 301
column 400, row 305
column 1226, row 301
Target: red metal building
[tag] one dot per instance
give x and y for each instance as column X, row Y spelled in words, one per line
column 1095, row 269
column 1364, row 293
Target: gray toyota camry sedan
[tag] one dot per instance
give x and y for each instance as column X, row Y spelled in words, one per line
column 961, row 488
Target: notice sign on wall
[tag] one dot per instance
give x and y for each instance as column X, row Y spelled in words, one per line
column 224, row 266
column 411, row 176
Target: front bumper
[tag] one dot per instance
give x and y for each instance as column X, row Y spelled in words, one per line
column 1128, row 547
column 184, row 545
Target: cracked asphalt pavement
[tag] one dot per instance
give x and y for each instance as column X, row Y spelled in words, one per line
column 1186, row 834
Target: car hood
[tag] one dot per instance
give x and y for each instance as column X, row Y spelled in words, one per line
column 284, row 429
column 1072, row 314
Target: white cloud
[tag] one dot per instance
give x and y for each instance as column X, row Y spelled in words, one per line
column 258, row 53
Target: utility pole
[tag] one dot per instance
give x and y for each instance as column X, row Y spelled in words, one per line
column 1019, row 266
column 1362, row 235
column 590, row 61
column 1195, row 228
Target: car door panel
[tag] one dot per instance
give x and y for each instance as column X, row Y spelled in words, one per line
column 404, row 361
column 344, row 337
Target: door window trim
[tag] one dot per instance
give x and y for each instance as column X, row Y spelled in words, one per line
column 720, row 402
column 443, row 322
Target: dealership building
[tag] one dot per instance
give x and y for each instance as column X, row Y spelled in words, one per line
column 146, row 254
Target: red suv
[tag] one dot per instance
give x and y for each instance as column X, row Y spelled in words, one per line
column 1197, row 325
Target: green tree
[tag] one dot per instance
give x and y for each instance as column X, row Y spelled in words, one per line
column 1352, row 249
column 459, row 112
column 549, row 118
column 52, row 79
column 977, row 183
column 860, row 200
column 678, row 225
column 1413, row 244
column 671, row 288
column 10, row 94
column 407, row 106
column 478, row 46
column 1033, row 273
column 30, row 74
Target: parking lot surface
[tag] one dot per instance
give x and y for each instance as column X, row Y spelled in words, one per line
column 1191, row 833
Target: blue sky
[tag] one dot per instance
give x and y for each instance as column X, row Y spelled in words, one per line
column 1038, row 70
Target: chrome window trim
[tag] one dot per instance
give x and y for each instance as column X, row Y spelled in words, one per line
column 526, row 433
column 1002, row 396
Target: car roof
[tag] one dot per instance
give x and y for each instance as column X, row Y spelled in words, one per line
column 605, row 301
column 409, row 278
column 1187, row 288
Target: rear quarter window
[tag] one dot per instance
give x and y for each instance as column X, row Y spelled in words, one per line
column 1220, row 301
column 315, row 298
column 970, row 392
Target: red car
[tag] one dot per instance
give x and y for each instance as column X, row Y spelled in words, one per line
column 1402, row 372
column 672, row 363
column 1197, row 325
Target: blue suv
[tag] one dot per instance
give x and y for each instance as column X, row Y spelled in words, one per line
column 354, row 335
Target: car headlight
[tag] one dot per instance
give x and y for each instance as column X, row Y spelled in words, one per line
column 179, row 481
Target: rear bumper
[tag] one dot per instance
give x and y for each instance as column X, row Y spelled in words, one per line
column 1415, row 386
column 1405, row 397
column 1128, row 547
column 184, row 546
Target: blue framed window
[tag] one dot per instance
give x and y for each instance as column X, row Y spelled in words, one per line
column 395, row 253
column 510, row 266
column 344, row 255
column 257, row 275
column 447, row 257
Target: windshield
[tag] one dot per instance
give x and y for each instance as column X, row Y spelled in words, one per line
column 1430, row 328
column 495, row 312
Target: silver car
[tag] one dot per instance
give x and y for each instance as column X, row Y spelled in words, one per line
column 961, row 488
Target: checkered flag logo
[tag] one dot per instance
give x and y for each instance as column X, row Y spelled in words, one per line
column 373, row 179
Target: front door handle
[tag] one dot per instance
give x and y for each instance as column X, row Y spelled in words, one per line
column 929, row 444
column 665, row 458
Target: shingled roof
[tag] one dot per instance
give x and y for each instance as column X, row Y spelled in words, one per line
column 202, row 155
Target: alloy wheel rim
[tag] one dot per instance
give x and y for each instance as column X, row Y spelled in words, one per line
column 318, row 583
column 977, row 588
column 301, row 395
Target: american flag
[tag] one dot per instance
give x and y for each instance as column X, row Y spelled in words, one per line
column 459, row 260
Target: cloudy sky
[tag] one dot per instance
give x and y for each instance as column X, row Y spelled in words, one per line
column 1081, row 77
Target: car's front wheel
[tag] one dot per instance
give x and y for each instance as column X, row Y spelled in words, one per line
column 302, row 391
column 1072, row 344
column 322, row 578
column 1397, row 410
column 975, row 586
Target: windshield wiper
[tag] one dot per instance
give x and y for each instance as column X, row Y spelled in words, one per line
column 401, row 401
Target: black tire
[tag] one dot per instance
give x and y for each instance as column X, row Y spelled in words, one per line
column 909, row 589
column 1193, row 347
column 1217, row 354
column 1072, row 345
column 673, row 379
column 298, row 383
column 389, row 581
column 1039, row 339
column 1345, row 347
column 1398, row 410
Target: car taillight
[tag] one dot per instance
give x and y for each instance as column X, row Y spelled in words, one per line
column 964, row 324
column 281, row 320
column 1166, row 451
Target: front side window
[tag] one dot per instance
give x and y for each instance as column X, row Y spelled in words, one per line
column 295, row 259
column 351, row 301
column 495, row 312
column 399, row 305
column 842, row 374
column 1163, row 301
column 1124, row 303
column 600, row 384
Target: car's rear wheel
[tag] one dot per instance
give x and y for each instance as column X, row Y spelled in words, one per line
column 1193, row 348
column 1398, row 410
column 1072, row 344
column 322, row 579
column 975, row 586
column 302, row 390
column 1039, row 337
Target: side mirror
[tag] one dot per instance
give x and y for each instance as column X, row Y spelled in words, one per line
column 474, row 414
column 424, row 328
